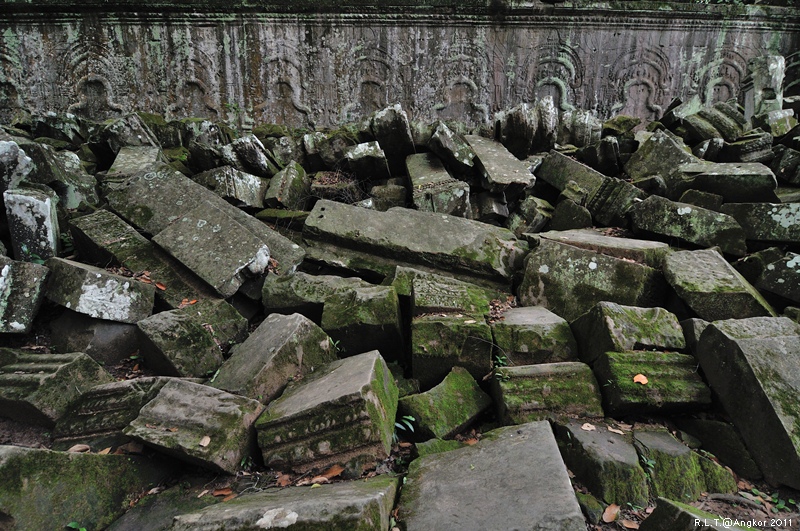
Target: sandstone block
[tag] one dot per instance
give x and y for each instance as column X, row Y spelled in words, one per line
column 533, row 334
column 21, row 293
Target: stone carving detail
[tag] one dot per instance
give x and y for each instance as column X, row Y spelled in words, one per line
column 193, row 82
column 462, row 96
column 792, row 78
column 89, row 66
column 641, row 78
column 719, row 80
column 11, row 91
column 557, row 73
column 284, row 87
column 372, row 69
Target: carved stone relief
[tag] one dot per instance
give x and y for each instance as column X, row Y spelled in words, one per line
column 641, row 78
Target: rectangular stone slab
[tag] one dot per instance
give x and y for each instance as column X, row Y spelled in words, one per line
column 533, row 334
column 500, row 171
column 643, row 251
column 21, row 293
column 433, row 189
column 767, row 222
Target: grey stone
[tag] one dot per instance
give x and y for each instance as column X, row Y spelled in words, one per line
column 356, row 505
column 248, row 154
column 762, row 89
column 128, row 130
column 387, row 196
column 391, row 129
column 753, row 368
column 181, row 416
column 692, row 329
column 579, row 128
column 603, row 156
column 432, row 293
column 433, row 189
column 106, row 342
column 368, row 161
column 516, row 128
column 558, row 170
column 21, row 293
column 289, row 188
column 95, row 292
column 689, row 223
column 782, row 277
column 569, row 281
column 33, row 223
column 304, row 293
column 670, row 515
column 611, row 327
column 569, row 215
column 281, row 349
column 533, row 334
column 448, row 408
column 705, row 200
column 230, row 183
column 337, row 186
column 712, row 288
column 285, row 150
column 767, row 222
column 61, row 171
column 38, row 388
column 643, row 251
column 189, row 341
column 454, row 151
column 662, row 154
column 723, row 441
column 735, row 182
column 786, row 165
column 612, row 202
column 489, row 207
column 547, row 132
column 755, row 146
column 604, row 461
column 451, row 490
column 545, row 391
column 15, row 165
column 355, row 397
column 531, row 215
column 500, row 171
column 776, row 122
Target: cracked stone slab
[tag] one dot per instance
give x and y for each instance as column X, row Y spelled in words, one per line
column 500, row 171
column 32, row 222
column 304, row 293
column 533, row 334
column 767, row 222
column 22, row 286
column 434, row 189
column 643, row 251
column 230, row 183
column 735, row 182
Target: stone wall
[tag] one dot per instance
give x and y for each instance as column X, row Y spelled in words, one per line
column 444, row 60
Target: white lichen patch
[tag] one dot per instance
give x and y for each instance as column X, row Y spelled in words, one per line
column 277, row 518
column 787, row 216
column 107, row 300
column 544, row 269
column 682, row 211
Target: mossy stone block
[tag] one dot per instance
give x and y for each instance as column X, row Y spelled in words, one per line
column 670, row 515
column 304, row 293
column 22, row 287
column 533, row 334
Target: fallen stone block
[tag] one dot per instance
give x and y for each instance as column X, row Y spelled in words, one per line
column 611, row 327
column 21, row 293
column 368, row 162
column 661, row 218
column 753, row 368
column 712, row 288
column 545, row 391
column 354, row 398
column 662, row 154
column 230, row 183
column 671, row 384
column 602, row 156
column 643, row 251
column 605, row 461
column 454, row 151
column 198, row 424
column 433, row 189
column 786, row 165
column 304, row 293
column 533, row 334
column 767, row 222
column 613, row 201
column 782, row 277
column 33, row 223
column 489, row 207
column 131, row 160
column 42, row 489
column 95, row 292
column 558, row 170
column 15, row 165
column 248, row 154
column 777, row 123
column 289, row 188
column 735, row 182
column 129, row 130
column 351, row 505
column 723, row 441
column 670, row 515
column 515, row 128
column 283, row 348
column 448, row 408
column 525, row 456
column 500, row 171
column 107, row 342
column 391, row 129
column 432, row 293
column 569, row 281
column 39, row 388
column 579, row 128
column 763, row 87
column 531, row 215
column 189, row 341
column 569, row 215
column 755, row 146
column 62, row 172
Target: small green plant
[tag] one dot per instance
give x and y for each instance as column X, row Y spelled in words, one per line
column 649, row 465
column 403, row 424
column 500, row 361
column 67, row 245
column 335, row 345
column 75, row 525
column 246, row 463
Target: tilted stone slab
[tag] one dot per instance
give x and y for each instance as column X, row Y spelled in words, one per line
column 451, row 490
column 391, row 129
column 670, row 515
column 38, row 388
column 735, row 182
column 558, row 170
column 643, row 251
column 611, row 327
column 189, row 341
column 454, row 151
column 673, row 383
column 605, row 462
column 281, row 349
column 767, row 222
column 662, row 218
column 661, row 155
column 782, row 277
column 230, row 183
column 32, row 222
column 109, row 343
column 569, row 281
column 431, row 293
column 545, row 391
column 42, row 489
column 95, row 292
column 753, row 367
column 712, row 288
column 289, row 188
column 304, row 293
column 724, row 441
column 533, row 334
column 198, row 424
column 21, row 293
column 500, row 171
column 434, row 190
column 448, row 408
column 62, row 172
column 354, row 505
column 460, row 246
column 368, row 161
column 103, row 237
column 342, row 413
column 131, row 160
column 613, row 201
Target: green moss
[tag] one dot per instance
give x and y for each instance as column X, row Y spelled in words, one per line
column 179, row 154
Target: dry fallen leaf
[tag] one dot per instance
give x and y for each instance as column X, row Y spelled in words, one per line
column 316, row 480
column 611, row 513
column 229, row 497
column 640, row 378
column 315, row 485
column 79, row 449
column 284, row 480
column 223, row 492
column 471, row 441
column 205, row 441
column 202, row 493
column 630, row 524
column 161, row 286
column 173, row 430
column 104, row 451
column 614, row 430
column 333, row 471
column 588, row 427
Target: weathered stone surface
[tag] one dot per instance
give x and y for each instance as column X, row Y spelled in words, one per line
column 611, row 327
column 455, row 152
column 230, row 183
column 433, row 189
column 42, row 489
column 500, row 171
column 569, row 215
column 558, row 170
column 605, row 461
column 131, row 160
column 99, row 415
column 289, row 188
column 32, row 222
column 15, row 165
column 460, row 246
column 786, row 165
column 282, row 348
column 183, row 413
column 612, row 202
column 755, row 146
column 38, row 388
column 712, row 288
column 368, row 162
column 670, row 515
column 386, row 196
column 352, row 506
column 569, row 281
column 644, row 251
column 62, row 172
column 767, row 222
column 752, row 365
column 533, row 334
column 432, row 293
column 777, row 122
column 106, row 342
column 129, row 130
column 21, row 293
column 673, row 384
column 546, row 391
column 94, row 292
column 516, row 129
column 579, row 128
column 355, row 398
column 735, row 182
column 721, row 439
column 450, row 490
column 188, row 341
column 248, row 154
column 531, row 215
column 692, row 224
column 490, row 207
column 662, row 154
column 448, row 408
column 304, row 293
column 391, row 129
column 763, row 86
column 782, row 277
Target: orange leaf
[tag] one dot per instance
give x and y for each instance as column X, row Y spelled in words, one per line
column 333, row 471
column 630, row 524
column 316, row 480
column 104, row 451
column 471, row 442
column 611, row 513
column 640, row 378
column 284, row 480
column 173, row 430
column 229, row 497
column 161, row 286
column 223, row 492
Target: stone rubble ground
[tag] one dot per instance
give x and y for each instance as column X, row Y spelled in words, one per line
column 564, row 324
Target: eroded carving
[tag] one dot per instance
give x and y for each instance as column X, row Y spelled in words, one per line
column 641, row 78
